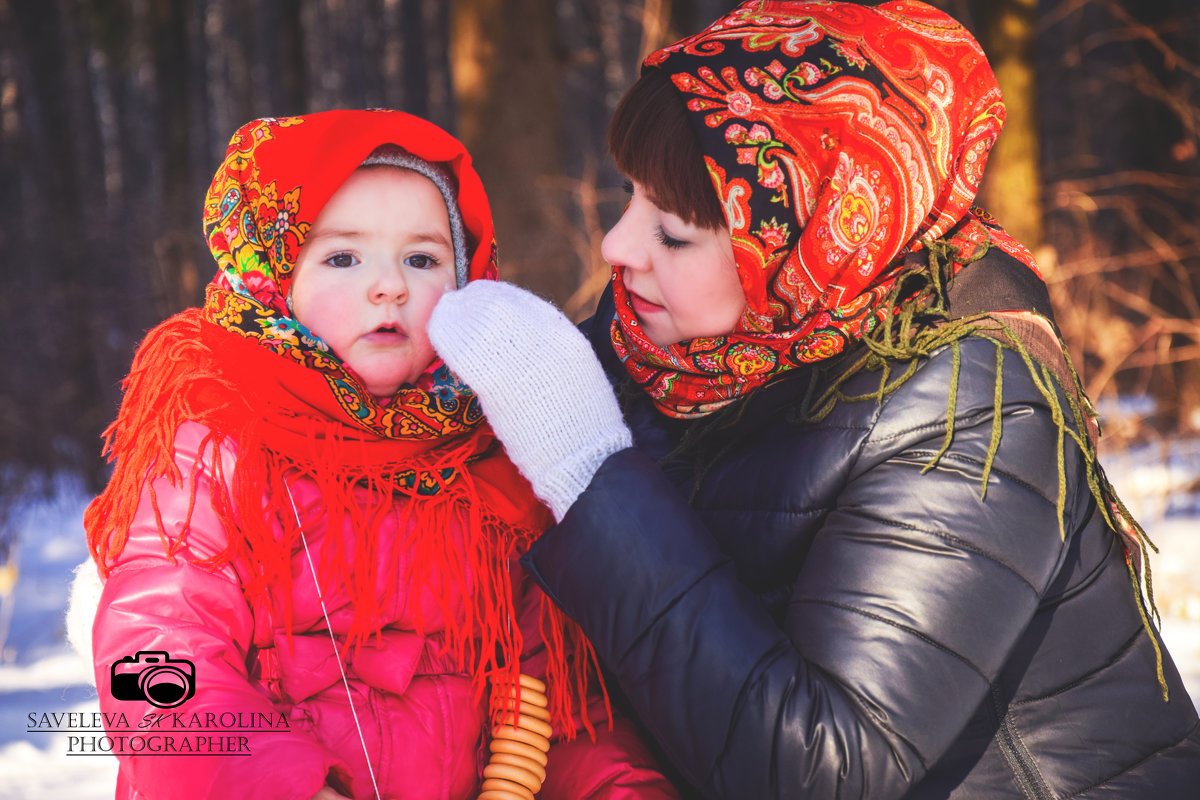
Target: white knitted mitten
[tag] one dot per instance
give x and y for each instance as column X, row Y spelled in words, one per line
column 538, row 382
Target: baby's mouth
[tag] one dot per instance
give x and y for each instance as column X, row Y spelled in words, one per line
column 387, row 332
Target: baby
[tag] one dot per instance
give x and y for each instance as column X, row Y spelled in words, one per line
column 310, row 529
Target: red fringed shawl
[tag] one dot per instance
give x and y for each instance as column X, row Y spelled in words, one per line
column 278, row 404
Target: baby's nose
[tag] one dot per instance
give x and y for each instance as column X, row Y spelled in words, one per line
column 389, row 286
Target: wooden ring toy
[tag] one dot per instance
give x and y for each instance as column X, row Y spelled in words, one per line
column 534, row 725
column 521, row 735
column 517, row 761
column 537, row 712
column 518, row 749
column 499, row 784
column 533, row 698
column 530, row 682
column 515, row 774
column 517, row 766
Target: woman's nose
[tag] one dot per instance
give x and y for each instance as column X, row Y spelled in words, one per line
column 620, row 247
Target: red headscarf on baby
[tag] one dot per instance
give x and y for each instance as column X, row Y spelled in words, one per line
column 276, row 177
column 839, row 138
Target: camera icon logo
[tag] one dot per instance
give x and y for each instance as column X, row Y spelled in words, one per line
column 153, row 676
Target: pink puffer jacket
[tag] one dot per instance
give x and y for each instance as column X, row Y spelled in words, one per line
column 277, row 715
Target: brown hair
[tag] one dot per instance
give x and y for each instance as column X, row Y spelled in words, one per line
column 652, row 142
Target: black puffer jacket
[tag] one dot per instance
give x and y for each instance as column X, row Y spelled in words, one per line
column 826, row 619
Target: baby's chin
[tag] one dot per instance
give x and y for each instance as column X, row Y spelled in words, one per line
column 385, row 391
column 384, row 374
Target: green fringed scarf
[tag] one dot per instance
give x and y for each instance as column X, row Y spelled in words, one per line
column 922, row 324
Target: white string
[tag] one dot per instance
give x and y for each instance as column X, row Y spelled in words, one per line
column 336, row 655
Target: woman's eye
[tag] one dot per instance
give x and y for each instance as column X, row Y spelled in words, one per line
column 341, row 260
column 668, row 241
column 421, row 261
column 628, row 187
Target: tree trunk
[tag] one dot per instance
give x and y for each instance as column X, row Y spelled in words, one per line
column 506, row 82
column 1012, row 188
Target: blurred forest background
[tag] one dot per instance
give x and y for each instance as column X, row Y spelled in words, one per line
column 115, row 113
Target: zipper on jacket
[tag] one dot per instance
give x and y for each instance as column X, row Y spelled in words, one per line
column 1019, row 759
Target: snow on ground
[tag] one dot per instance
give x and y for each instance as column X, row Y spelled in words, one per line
column 1160, row 483
column 40, row 674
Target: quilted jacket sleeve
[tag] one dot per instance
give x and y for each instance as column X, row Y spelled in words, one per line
column 911, row 596
column 615, row 763
column 151, row 604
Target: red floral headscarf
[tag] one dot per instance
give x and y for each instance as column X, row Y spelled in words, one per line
column 276, row 177
column 839, row 139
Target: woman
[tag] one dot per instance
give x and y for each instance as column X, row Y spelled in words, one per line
column 862, row 547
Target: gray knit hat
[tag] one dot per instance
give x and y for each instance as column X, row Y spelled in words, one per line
column 395, row 156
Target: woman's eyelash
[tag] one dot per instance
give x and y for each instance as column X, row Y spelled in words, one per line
column 668, row 241
column 665, row 239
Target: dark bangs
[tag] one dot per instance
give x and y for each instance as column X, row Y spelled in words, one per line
column 653, row 143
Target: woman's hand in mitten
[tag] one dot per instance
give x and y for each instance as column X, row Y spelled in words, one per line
column 538, row 381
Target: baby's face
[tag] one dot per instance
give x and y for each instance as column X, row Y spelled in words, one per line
column 377, row 259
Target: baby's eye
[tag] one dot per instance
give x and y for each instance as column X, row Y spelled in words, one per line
column 668, row 241
column 341, row 260
column 421, row 261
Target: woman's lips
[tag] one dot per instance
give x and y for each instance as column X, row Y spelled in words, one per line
column 643, row 306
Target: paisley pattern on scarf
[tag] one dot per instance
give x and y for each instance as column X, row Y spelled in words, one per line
column 256, row 218
column 839, row 139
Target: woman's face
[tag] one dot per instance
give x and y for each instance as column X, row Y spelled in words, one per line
column 681, row 279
